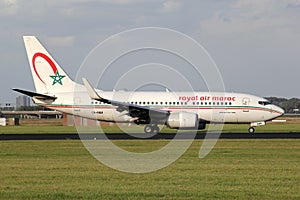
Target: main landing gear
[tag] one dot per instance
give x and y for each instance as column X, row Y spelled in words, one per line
column 151, row 128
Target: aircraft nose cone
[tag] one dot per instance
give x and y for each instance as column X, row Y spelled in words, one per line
column 279, row 110
column 282, row 111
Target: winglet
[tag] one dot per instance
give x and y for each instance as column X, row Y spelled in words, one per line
column 91, row 91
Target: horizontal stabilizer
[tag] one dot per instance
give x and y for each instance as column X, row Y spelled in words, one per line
column 35, row 95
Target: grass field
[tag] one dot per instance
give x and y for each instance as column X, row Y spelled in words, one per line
column 40, row 126
column 278, row 127
column 235, row 169
column 36, row 129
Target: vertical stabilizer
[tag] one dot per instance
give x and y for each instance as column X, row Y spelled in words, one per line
column 48, row 76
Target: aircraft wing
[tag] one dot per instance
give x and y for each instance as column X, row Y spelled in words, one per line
column 142, row 113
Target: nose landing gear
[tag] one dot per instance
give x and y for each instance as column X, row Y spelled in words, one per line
column 254, row 124
column 251, row 130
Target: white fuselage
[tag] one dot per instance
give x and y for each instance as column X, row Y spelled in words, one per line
column 56, row 90
column 210, row 107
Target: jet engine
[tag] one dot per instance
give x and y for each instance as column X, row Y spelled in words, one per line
column 183, row 120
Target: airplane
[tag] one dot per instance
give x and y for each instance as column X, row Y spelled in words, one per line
column 176, row 110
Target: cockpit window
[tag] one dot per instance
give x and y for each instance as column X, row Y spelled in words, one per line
column 264, row 103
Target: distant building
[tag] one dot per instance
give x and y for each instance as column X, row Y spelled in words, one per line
column 7, row 106
column 22, row 101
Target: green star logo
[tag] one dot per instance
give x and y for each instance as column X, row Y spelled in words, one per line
column 57, row 78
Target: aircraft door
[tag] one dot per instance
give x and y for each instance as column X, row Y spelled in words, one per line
column 246, row 104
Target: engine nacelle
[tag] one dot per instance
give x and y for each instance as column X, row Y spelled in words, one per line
column 183, row 120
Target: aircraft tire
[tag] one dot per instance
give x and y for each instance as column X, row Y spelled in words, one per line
column 251, row 130
column 155, row 129
column 148, row 129
column 151, row 128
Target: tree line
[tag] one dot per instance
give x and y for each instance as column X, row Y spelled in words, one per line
column 289, row 105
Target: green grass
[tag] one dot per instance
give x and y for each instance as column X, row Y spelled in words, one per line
column 235, row 169
column 36, row 129
column 280, row 127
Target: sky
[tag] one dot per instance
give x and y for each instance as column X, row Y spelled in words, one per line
column 255, row 44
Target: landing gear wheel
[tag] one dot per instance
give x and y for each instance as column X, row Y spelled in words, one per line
column 151, row 128
column 148, row 129
column 155, row 129
column 251, row 130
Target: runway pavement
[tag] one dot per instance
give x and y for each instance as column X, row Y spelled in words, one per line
column 143, row 136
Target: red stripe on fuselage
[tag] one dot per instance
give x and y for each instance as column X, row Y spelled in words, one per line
column 169, row 108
